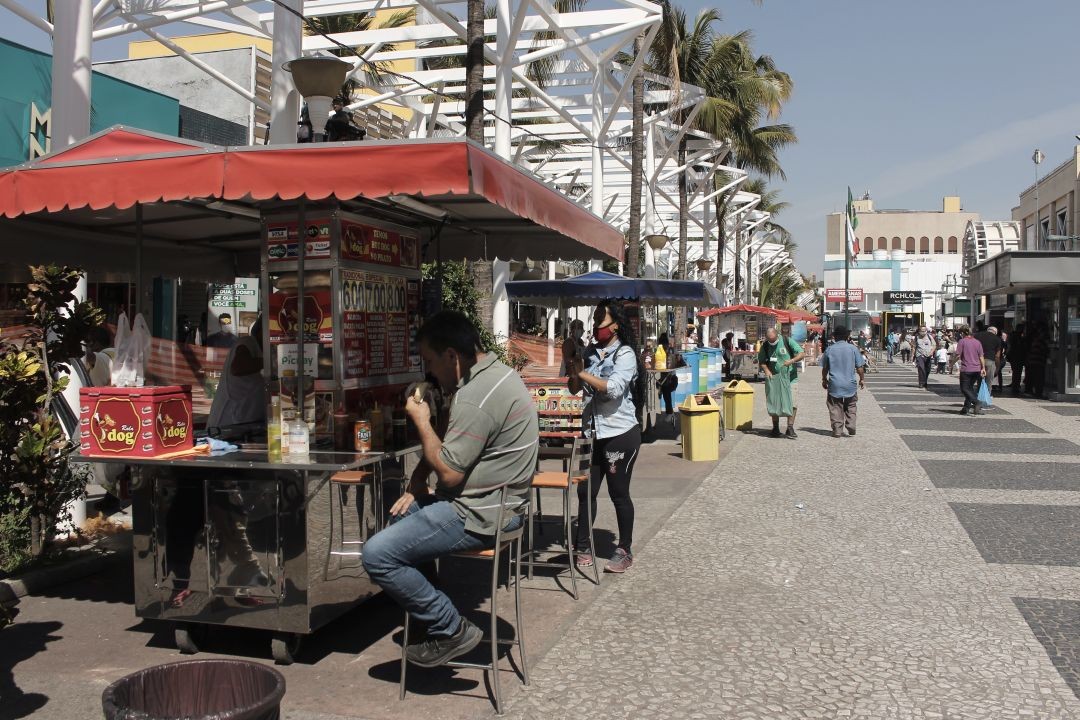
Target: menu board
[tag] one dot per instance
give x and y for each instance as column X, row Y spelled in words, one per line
column 368, row 244
column 281, row 240
column 376, row 331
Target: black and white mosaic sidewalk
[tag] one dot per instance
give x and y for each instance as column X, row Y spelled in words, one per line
column 927, row 568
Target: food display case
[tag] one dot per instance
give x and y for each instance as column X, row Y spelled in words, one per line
column 361, row 306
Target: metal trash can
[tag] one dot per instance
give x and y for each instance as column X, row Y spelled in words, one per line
column 738, row 405
column 700, row 416
column 197, row 690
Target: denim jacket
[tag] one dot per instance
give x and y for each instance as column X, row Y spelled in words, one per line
column 612, row 412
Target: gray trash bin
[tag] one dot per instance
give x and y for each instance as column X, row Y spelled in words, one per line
column 197, row 690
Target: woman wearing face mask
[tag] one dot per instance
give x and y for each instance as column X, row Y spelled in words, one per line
column 608, row 371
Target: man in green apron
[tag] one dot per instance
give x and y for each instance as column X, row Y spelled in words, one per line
column 777, row 358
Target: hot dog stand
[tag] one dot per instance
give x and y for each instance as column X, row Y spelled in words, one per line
column 244, row 538
column 589, row 289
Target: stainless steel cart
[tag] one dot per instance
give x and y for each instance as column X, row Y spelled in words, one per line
column 247, row 541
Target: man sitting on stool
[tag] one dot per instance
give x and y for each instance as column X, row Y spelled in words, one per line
column 491, row 440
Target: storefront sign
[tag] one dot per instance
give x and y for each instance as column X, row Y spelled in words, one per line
column 752, row 332
column 902, row 297
column 281, row 240
column 239, row 299
column 837, row 294
column 288, row 357
column 380, row 247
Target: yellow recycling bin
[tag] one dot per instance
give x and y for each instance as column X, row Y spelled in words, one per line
column 738, row 405
column 700, row 417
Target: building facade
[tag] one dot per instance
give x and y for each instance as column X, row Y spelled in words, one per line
column 915, row 252
column 26, row 100
column 1056, row 194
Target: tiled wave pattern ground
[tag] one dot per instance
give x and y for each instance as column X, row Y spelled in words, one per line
column 1025, row 530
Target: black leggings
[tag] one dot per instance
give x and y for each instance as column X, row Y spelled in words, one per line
column 613, row 458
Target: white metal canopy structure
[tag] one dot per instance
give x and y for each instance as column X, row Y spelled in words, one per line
column 557, row 99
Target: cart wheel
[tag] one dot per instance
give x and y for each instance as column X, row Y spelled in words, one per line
column 285, row 647
column 188, row 638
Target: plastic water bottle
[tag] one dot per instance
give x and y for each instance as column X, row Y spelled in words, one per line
column 299, row 440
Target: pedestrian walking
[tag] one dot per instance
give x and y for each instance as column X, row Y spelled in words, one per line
column 890, row 345
column 1003, row 354
column 969, row 354
column 490, row 442
column 924, row 355
column 1037, row 353
column 905, row 349
column 1017, row 355
column 842, row 374
column 941, row 357
column 611, row 372
column 776, row 358
column 991, row 343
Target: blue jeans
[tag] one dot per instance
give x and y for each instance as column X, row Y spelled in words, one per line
column 429, row 530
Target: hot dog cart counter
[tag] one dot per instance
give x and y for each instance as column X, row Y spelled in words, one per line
column 247, row 540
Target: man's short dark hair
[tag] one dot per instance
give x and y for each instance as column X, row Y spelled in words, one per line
column 450, row 329
column 841, row 333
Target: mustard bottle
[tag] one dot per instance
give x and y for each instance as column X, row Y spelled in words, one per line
column 660, row 359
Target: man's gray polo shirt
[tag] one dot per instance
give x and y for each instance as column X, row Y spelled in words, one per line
column 493, row 439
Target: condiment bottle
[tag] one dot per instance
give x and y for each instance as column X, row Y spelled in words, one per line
column 273, row 429
column 342, row 429
column 377, row 428
column 400, row 426
column 660, row 358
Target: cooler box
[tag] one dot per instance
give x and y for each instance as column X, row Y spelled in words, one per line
column 135, row 422
column 695, row 360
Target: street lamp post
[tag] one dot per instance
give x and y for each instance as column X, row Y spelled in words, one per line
column 1037, row 157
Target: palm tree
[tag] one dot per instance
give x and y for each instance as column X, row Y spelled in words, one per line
column 357, row 22
column 682, row 52
column 781, row 287
column 754, row 89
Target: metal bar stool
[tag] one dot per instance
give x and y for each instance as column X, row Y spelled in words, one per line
column 340, row 482
column 577, row 472
column 505, row 540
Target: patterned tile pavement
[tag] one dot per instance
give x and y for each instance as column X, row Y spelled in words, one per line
column 809, row 578
column 1024, row 534
column 997, row 475
column 1056, row 623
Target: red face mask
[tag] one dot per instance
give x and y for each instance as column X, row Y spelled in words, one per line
column 603, row 335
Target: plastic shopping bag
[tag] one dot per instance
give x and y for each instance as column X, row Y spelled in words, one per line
column 984, row 394
column 132, row 353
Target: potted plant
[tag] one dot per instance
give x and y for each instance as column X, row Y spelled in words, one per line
column 36, row 479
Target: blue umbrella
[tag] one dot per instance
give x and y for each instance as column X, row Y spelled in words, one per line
column 591, row 287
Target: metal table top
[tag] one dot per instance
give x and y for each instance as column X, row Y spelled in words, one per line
column 251, row 459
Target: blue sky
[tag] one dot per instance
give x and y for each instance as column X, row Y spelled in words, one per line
column 916, row 99
column 909, row 99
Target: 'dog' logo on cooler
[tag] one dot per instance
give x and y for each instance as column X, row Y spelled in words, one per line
column 173, row 422
column 114, row 425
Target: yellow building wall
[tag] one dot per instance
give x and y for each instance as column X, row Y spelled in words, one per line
column 198, row 43
column 210, row 42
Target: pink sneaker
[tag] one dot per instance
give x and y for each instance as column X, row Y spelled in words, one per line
column 620, row 562
column 583, row 559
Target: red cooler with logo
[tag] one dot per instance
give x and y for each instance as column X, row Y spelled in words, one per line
column 135, row 422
